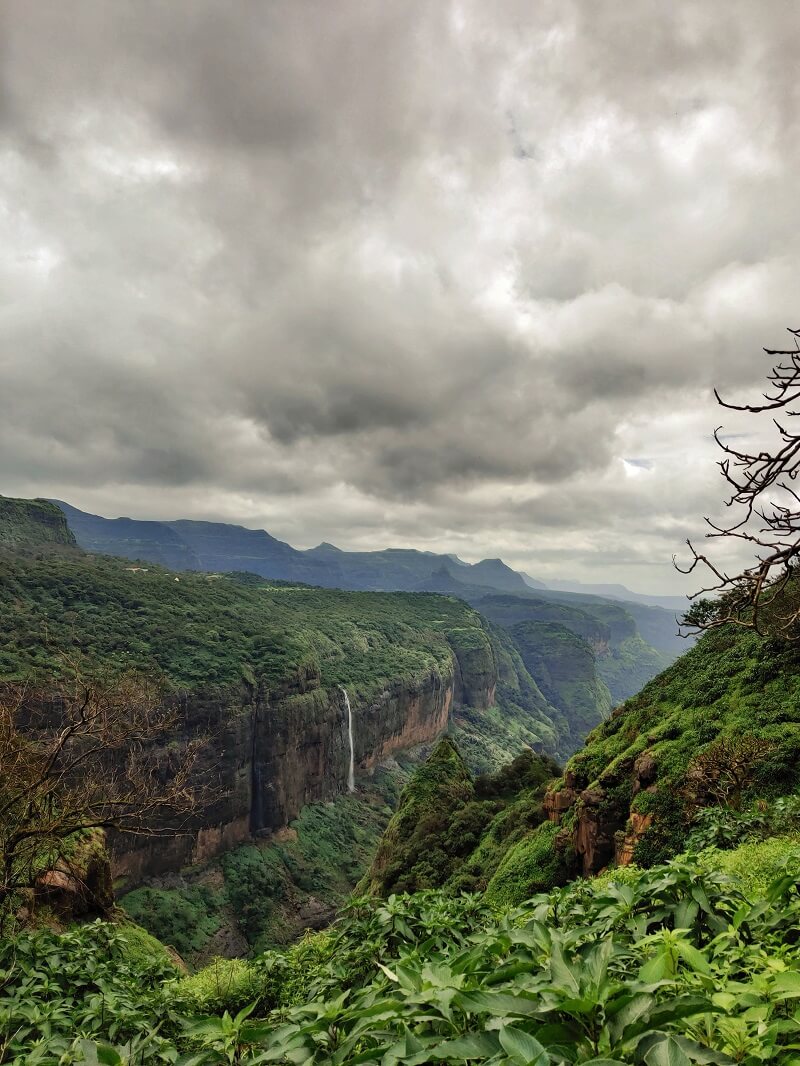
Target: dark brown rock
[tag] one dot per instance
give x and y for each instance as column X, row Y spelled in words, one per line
column 645, row 771
column 557, row 803
column 269, row 753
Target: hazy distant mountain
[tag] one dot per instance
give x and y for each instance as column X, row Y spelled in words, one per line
column 620, row 592
column 532, row 582
column 131, row 538
column 219, row 546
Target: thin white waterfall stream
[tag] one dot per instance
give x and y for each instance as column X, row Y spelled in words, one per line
column 351, row 776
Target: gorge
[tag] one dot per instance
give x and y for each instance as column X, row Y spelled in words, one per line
column 296, row 692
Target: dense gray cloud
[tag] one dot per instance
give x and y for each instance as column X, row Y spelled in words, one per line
column 455, row 275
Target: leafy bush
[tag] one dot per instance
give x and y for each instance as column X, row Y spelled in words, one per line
column 184, row 918
column 94, row 982
column 672, row 965
column 726, row 827
column 535, row 864
column 225, row 984
column 756, row 864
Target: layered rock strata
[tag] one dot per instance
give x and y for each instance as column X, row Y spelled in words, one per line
column 270, row 753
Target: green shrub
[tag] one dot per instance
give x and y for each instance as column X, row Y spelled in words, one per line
column 756, row 864
column 535, row 864
column 225, row 984
column 184, row 918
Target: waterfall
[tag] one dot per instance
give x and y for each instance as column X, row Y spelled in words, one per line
column 351, row 777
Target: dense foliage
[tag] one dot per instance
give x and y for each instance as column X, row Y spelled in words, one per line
column 674, row 965
column 451, row 830
column 721, row 727
column 205, row 629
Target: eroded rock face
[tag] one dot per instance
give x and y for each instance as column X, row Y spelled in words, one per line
column 602, row 828
column 638, row 825
column 80, row 886
column 271, row 752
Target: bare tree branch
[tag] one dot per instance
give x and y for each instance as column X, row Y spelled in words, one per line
column 82, row 755
column 759, row 482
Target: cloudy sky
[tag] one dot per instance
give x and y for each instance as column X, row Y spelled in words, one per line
column 456, row 275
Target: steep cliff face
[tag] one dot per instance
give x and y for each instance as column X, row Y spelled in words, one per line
column 259, row 671
column 279, row 750
column 565, row 669
column 475, row 667
column 623, row 661
column 31, row 523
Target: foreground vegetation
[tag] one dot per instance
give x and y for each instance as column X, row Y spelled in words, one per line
column 674, row 965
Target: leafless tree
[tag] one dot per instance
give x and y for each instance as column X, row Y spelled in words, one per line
column 767, row 516
column 722, row 771
column 81, row 755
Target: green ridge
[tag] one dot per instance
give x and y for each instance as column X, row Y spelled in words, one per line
column 31, row 523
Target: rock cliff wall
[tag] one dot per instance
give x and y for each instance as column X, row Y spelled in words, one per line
column 31, row 523
column 271, row 752
column 601, row 826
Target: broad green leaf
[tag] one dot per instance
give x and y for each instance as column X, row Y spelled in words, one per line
column 495, row 1003
column 522, row 1047
column 656, row 969
column 389, row 973
column 631, row 1010
column 696, row 959
column 462, row 1049
column 787, row 985
column 562, row 973
column 667, row 1052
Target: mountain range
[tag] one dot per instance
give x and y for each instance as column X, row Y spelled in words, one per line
column 217, row 546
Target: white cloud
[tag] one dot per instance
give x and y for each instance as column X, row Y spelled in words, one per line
column 449, row 275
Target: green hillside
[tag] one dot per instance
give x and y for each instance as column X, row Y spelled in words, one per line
column 451, row 830
column 205, row 629
column 720, row 726
column 474, row 946
column 30, row 523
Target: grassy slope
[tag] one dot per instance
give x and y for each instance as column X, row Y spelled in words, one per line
column 731, row 704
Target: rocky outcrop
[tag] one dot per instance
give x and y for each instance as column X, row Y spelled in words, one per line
column 78, row 886
column 602, row 825
column 272, row 752
column 638, row 824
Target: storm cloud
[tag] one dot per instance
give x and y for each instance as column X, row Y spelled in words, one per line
column 453, row 275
